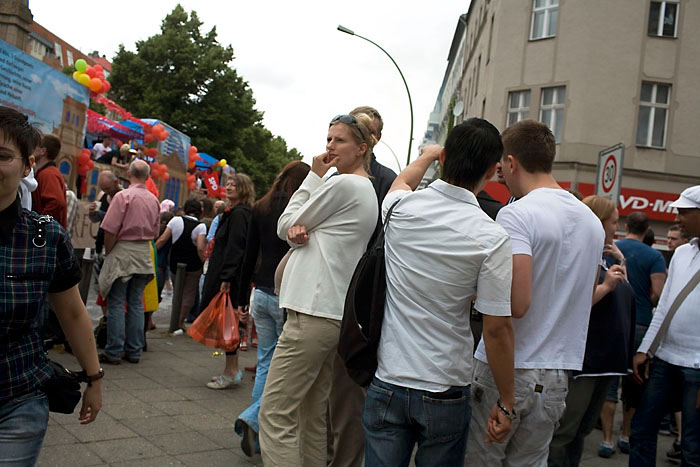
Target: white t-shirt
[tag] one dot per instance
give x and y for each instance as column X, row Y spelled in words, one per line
column 440, row 249
column 340, row 215
column 177, row 226
column 99, row 149
column 565, row 240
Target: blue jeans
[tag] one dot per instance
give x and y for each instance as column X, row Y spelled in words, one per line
column 666, row 381
column 23, row 422
column 125, row 332
column 269, row 320
column 395, row 418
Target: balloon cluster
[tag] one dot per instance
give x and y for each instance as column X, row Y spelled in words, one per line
column 156, row 132
column 191, row 181
column 159, row 171
column 92, row 77
column 85, row 164
column 194, row 157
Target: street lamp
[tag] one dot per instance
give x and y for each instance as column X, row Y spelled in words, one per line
column 410, row 103
column 398, row 164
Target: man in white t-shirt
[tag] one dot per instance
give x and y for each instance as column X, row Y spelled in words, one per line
column 98, row 149
column 557, row 244
column 441, row 249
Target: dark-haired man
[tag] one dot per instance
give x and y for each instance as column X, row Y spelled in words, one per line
column 646, row 271
column 557, row 244
column 50, row 194
column 441, row 249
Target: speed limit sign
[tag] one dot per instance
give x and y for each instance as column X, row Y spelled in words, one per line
column 609, row 176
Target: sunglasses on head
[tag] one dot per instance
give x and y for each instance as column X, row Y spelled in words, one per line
column 348, row 120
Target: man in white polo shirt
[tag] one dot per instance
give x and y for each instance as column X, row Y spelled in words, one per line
column 675, row 369
column 440, row 250
column 557, row 244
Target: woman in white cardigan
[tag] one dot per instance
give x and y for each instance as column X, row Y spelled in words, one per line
column 328, row 224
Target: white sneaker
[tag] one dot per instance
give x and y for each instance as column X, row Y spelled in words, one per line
column 224, row 382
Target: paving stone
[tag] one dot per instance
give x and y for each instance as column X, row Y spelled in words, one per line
column 226, row 438
column 126, row 449
column 154, row 395
column 155, row 425
column 205, row 421
column 183, row 442
column 135, row 409
column 56, row 434
column 220, row 458
column 136, row 381
column 165, row 461
column 199, row 392
column 180, row 407
column 117, row 396
column 68, row 455
column 100, row 430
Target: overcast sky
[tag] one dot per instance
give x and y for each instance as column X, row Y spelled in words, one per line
column 301, row 69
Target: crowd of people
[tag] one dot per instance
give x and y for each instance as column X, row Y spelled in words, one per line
column 508, row 330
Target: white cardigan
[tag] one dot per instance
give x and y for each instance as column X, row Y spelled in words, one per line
column 340, row 215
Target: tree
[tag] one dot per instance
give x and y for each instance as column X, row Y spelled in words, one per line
column 186, row 78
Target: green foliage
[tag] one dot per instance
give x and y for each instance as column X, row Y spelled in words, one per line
column 186, row 78
column 68, row 70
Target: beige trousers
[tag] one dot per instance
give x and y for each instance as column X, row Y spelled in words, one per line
column 293, row 411
column 346, row 402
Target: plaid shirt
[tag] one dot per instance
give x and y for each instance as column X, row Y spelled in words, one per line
column 28, row 274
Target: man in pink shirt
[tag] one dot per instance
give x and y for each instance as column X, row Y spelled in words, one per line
column 131, row 222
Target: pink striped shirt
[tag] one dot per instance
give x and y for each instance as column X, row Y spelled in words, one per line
column 133, row 214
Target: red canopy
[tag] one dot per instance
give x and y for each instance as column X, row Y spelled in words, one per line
column 97, row 123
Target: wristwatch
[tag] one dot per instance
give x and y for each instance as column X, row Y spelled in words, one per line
column 510, row 414
column 89, row 379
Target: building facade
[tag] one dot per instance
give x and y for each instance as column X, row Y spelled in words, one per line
column 598, row 73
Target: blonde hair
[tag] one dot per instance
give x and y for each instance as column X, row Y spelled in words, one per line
column 601, row 207
column 362, row 133
column 245, row 189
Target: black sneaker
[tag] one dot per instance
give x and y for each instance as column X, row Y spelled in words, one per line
column 675, row 451
column 105, row 359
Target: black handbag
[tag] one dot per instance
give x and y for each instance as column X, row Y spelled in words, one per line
column 361, row 327
column 63, row 389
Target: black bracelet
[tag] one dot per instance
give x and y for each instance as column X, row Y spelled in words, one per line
column 509, row 414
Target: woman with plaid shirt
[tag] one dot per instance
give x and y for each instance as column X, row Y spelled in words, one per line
column 36, row 259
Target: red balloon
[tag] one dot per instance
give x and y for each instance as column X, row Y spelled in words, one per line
column 83, row 170
column 193, row 150
column 83, row 159
column 108, row 86
column 162, row 135
column 158, row 128
column 98, row 68
column 148, row 138
column 91, row 72
column 91, row 164
column 166, row 177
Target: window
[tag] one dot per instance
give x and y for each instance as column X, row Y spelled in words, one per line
column 544, row 19
column 653, row 114
column 552, row 109
column 488, row 53
column 663, row 18
column 59, row 52
column 69, row 55
column 518, row 106
column 476, row 79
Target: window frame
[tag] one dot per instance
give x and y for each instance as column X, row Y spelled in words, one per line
column 520, row 109
column 660, row 23
column 653, row 105
column 69, row 57
column 549, row 6
column 557, row 105
column 59, row 52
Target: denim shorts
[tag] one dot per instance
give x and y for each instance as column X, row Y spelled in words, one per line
column 22, row 428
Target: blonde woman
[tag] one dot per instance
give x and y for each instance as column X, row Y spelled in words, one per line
column 328, row 224
column 226, row 260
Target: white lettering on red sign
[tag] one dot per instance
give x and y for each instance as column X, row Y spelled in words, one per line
column 639, row 204
column 213, row 184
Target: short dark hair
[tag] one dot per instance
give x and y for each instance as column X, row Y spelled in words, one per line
column 16, row 128
column 532, row 144
column 679, row 228
column 649, row 237
column 193, row 207
column 52, row 145
column 471, row 149
column 637, row 223
column 207, row 207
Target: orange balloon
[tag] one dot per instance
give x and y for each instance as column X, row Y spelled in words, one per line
column 95, row 84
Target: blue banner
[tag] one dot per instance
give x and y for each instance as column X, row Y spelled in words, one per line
column 48, row 97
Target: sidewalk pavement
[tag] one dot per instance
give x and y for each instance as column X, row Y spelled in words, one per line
column 159, row 412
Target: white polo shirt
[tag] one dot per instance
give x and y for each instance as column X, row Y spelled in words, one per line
column 565, row 240
column 681, row 344
column 441, row 249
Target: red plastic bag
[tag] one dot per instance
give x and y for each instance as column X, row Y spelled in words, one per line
column 217, row 325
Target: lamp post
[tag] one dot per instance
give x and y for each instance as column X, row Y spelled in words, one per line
column 410, row 103
column 398, row 164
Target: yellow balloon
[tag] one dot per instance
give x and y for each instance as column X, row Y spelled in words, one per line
column 84, row 80
column 76, row 75
column 222, row 162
